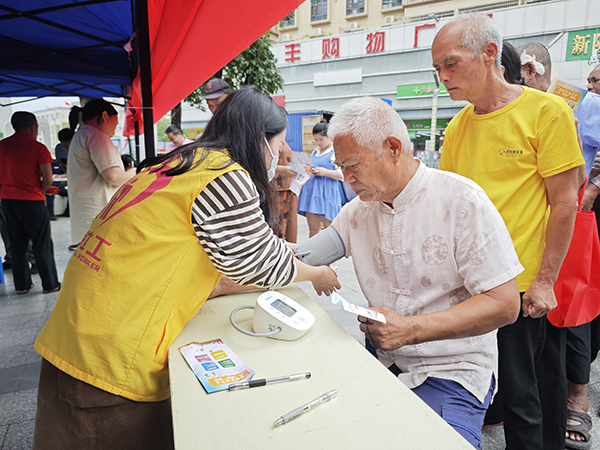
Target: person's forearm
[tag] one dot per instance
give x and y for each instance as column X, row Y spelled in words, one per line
column 475, row 316
column 331, row 174
column 559, row 232
column 46, row 182
column 227, row 286
column 117, row 176
column 304, row 272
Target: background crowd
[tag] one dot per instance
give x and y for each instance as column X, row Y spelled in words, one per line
column 237, row 178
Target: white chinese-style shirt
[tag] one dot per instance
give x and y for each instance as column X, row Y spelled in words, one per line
column 442, row 242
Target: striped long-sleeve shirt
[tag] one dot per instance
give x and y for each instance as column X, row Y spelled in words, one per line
column 230, row 226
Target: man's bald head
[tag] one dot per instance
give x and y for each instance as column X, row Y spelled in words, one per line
column 536, row 65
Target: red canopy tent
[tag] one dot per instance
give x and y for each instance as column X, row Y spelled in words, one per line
column 189, row 41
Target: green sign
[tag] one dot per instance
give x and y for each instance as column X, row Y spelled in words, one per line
column 419, row 90
column 581, row 43
column 425, row 124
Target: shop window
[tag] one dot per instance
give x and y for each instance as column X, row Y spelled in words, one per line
column 388, row 4
column 354, row 7
column 318, row 10
column 289, row 21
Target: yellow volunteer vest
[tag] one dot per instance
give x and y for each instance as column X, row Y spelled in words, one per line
column 138, row 276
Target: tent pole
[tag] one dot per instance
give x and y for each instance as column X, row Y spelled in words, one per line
column 145, row 75
column 136, row 126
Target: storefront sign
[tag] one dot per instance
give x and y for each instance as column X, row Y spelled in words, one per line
column 333, row 47
column 581, row 43
column 419, row 90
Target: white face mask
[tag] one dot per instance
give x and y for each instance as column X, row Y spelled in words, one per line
column 271, row 172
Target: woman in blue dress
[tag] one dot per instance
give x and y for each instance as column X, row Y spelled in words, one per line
column 320, row 199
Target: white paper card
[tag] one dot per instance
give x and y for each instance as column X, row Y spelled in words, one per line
column 358, row 310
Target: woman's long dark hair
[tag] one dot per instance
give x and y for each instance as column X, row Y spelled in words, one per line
column 512, row 64
column 240, row 125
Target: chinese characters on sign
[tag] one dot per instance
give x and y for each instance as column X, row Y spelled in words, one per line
column 419, row 28
column 567, row 94
column 376, row 42
column 581, row 44
column 292, row 52
column 419, row 90
column 331, row 47
column 424, row 90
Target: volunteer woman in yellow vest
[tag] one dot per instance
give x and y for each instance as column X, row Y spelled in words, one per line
column 146, row 266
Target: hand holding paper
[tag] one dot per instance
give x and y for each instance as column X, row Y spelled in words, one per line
column 358, row 310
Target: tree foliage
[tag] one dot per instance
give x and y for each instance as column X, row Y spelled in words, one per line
column 256, row 65
column 161, row 126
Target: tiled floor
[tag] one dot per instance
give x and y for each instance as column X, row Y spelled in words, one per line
column 23, row 316
column 21, row 319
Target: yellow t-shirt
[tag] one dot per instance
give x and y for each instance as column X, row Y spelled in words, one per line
column 508, row 153
column 138, row 276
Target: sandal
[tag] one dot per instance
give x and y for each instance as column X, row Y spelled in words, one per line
column 583, row 428
column 49, row 291
column 25, row 291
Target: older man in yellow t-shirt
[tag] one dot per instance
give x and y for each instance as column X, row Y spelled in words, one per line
column 520, row 146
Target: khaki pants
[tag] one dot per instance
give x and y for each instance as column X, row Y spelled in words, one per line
column 74, row 415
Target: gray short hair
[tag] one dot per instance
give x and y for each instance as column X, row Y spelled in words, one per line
column 369, row 121
column 478, row 30
column 173, row 129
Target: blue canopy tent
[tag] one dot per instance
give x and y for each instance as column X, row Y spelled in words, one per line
column 62, row 47
column 139, row 50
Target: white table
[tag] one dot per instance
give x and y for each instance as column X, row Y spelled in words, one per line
column 373, row 409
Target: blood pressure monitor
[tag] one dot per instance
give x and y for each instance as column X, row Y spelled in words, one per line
column 277, row 316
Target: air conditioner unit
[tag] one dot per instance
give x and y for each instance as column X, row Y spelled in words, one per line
column 317, row 31
column 389, row 19
column 285, row 37
column 353, row 25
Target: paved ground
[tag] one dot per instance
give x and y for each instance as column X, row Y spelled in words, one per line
column 23, row 316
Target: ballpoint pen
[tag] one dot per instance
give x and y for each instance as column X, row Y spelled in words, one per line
column 256, row 383
column 302, row 409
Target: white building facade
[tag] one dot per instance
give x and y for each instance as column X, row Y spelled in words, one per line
column 393, row 61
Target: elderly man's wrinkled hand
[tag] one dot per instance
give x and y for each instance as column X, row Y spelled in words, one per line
column 589, row 196
column 596, row 166
column 387, row 336
column 326, row 282
column 539, row 299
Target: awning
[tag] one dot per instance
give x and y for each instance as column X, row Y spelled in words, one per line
column 61, row 47
column 79, row 48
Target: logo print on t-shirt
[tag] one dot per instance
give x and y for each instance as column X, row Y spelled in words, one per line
column 510, row 153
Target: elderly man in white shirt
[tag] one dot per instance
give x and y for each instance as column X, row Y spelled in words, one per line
column 431, row 253
column 176, row 138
